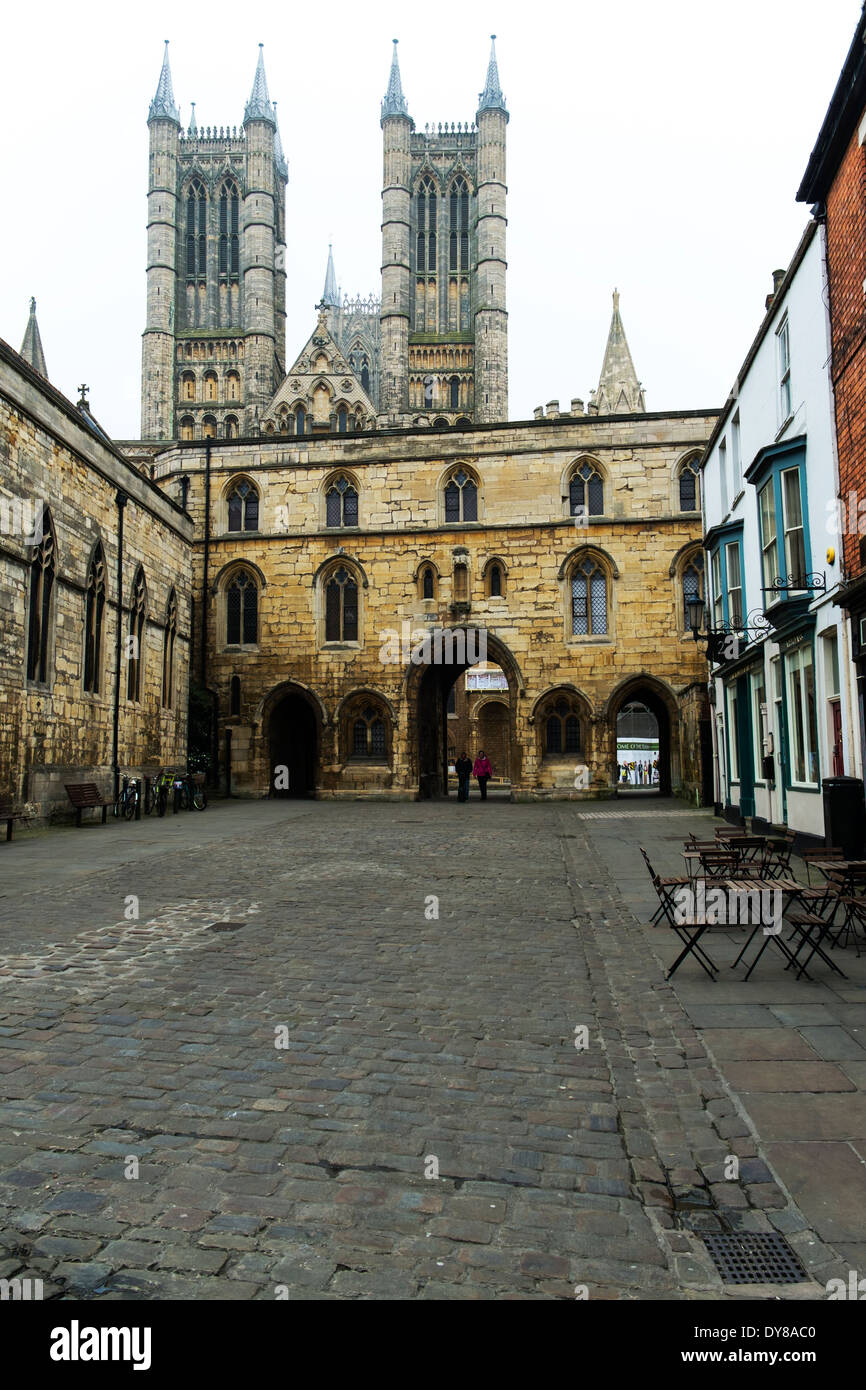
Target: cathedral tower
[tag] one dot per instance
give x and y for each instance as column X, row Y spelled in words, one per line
column 444, row 351
column 214, row 344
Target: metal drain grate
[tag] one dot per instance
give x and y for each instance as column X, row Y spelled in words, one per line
column 226, row 926
column 755, row 1259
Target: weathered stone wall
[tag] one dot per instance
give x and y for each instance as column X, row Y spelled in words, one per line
column 523, row 472
column 56, row 732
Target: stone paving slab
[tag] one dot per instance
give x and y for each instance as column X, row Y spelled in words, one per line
column 369, row 1052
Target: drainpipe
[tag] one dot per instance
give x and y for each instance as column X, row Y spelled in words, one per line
column 121, row 500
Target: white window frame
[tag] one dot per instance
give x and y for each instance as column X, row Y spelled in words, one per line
column 800, row 733
column 783, row 338
column 734, row 588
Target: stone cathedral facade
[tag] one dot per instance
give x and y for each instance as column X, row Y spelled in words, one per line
column 292, row 517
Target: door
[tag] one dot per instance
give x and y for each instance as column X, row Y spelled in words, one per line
column 836, row 722
column 746, row 748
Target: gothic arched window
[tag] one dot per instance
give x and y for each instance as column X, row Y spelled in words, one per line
column 341, row 607
column 341, row 504
column 690, row 485
column 459, row 226
column 196, row 230
column 455, row 392
column 562, row 728
column 494, row 581
column 135, row 640
column 235, row 695
column 586, row 491
column 461, row 497
column 428, row 582
column 368, row 734
column 242, row 610
column 94, row 614
column 243, row 507
column 300, row 420
column 231, row 427
column 169, row 638
column 426, row 210
column 229, row 226
column 42, row 575
column 342, row 420
column 588, row 598
column 692, row 582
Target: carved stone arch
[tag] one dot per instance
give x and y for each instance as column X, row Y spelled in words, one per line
column 577, row 461
column 457, row 171
column 334, row 562
column 497, row 653
column 289, row 687
column 367, row 691
column 427, row 172
column 694, row 456
column 427, row 562
column 684, row 553
column 223, row 575
column 596, row 552
column 98, row 543
column 488, row 697
column 495, row 560
column 572, row 689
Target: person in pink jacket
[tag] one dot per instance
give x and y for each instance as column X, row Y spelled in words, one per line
column 483, row 771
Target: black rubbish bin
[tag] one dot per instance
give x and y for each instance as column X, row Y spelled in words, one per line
column 845, row 815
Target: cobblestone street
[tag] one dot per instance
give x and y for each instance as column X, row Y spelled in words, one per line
column 414, row 1044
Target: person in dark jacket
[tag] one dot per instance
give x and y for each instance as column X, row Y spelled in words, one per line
column 463, row 768
column 483, row 771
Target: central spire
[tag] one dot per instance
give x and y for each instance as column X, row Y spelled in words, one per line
column 619, row 391
column 394, row 103
column 163, row 105
column 331, row 295
column 259, row 107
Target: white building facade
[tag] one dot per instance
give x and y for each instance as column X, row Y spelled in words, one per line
column 781, row 682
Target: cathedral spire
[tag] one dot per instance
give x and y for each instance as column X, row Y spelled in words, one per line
column 31, row 348
column 259, row 107
column 394, row 103
column 279, row 153
column 163, row 105
column 491, row 99
column 331, row 295
column 619, row 391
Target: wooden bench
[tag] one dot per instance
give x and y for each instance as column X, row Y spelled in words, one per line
column 9, row 814
column 83, row 795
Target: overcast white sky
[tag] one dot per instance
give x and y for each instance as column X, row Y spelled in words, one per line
column 655, row 147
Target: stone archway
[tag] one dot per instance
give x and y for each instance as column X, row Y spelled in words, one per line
column 292, row 736
column 493, row 734
column 659, row 701
column 440, row 661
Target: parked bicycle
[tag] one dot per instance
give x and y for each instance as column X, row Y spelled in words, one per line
column 127, row 798
column 187, row 788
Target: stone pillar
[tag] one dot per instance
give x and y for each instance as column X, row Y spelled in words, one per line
column 396, row 215
column 258, row 270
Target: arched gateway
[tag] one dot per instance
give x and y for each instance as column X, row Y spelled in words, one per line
column 659, row 702
column 442, row 659
column 292, row 724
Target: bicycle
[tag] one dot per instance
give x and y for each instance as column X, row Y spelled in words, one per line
column 127, row 798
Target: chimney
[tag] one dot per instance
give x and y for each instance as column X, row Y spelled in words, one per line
column 778, row 277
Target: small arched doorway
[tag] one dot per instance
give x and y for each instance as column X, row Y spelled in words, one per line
column 293, row 745
column 640, row 717
column 494, row 736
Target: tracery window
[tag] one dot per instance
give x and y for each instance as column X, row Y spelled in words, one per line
column 94, row 616
column 168, row 643
column 229, row 258
column 692, row 582
column 196, row 230
column 341, row 607
column 242, row 610
column 588, row 598
column 341, row 504
column 243, row 507
column 690, row 487
column 458, row 248
column 461, row 497
column 42, row 576
column 586, row 491
column 368, row 734
column 426, row 211
column 135, row 642
column 562, row 728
